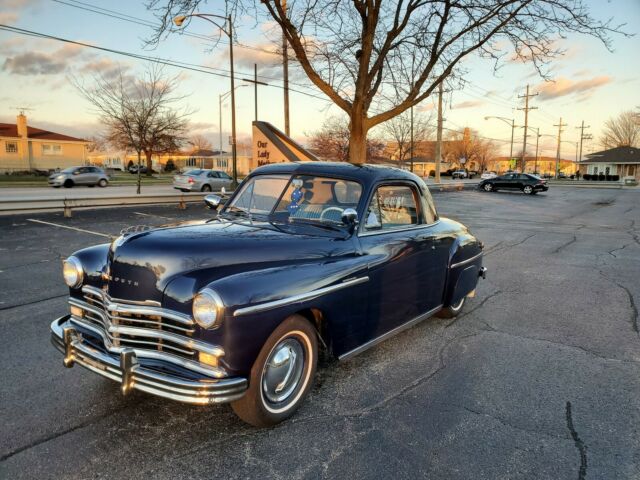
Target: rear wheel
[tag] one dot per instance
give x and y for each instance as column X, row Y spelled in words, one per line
column 206, row 188
column 488, row 187
column 452, row 310
column 282, row 374
column 528, row 189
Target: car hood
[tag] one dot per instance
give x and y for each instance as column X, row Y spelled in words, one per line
column 141, row 265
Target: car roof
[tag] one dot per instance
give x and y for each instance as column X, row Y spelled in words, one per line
column 365, row 173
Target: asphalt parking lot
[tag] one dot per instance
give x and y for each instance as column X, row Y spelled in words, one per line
column 538, row 378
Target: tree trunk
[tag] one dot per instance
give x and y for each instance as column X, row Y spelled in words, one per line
column 138, row 175
column 357, row 140
column 149, row 164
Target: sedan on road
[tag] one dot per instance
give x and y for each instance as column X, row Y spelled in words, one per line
column 200, row 180
column 525, row 182
column 88, row 176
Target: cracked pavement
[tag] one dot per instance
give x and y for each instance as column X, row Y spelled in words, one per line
column 538, row 378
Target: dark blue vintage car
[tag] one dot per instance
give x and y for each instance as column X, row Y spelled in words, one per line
column 234, row 309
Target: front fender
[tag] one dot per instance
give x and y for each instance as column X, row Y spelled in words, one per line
column 94, row 261
column 257, row 302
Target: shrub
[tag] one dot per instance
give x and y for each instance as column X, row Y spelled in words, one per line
column 615, row 178
column 170, row 166
column 586, row 176
column 607, row 178
column 601, row 176
column 130, row 164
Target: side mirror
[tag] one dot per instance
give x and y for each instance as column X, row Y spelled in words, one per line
column 212, row 201
column 350, row 218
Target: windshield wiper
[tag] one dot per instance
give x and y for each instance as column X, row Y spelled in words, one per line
column 325, row 225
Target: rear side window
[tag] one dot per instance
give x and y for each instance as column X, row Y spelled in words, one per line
column 392, row 207
column 193, row 173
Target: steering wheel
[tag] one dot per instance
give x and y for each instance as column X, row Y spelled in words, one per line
column 331, row 209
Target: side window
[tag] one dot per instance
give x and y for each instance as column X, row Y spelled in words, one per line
column 213, row 175
column 225, row 176
column 392, row 207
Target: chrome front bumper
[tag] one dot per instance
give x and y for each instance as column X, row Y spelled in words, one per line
column 127, row 369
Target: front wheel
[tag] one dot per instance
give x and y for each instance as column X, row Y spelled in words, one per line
column 452, row 310
column 488, row 187
column 282, row 374
column 102, row 183
column 528, row 189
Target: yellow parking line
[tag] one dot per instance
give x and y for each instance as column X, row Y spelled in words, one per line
column 68, row 227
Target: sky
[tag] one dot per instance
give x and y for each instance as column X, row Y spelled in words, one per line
column 589, row 83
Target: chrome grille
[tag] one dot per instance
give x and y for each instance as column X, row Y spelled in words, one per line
column 139, row 325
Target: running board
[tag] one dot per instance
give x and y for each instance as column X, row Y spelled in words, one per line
column 389, row 334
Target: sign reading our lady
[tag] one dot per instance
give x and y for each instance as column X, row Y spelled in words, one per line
column 270, row 145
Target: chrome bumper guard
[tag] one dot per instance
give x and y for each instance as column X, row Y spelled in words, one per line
column 128, row 371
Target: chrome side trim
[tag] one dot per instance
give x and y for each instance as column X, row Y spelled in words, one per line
column 298, row 298
column 389, row 334
column 468, row 260
column 364, row 233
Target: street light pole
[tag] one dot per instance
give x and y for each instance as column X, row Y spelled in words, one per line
column 508, row 121
column 178, row 21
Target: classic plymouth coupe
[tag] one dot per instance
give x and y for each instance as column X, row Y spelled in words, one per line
column 302, row 257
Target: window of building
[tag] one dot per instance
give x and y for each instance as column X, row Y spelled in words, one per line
column 11, row 147
column 632, row 170
column 607, row 170
column 191, row 162
column 51, row 149
column 595, row 170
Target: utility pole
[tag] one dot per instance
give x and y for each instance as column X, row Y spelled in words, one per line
column 535, row 165
column 285, row 73
column 526, row 122
column 582, row 137
column 560, row 130
column 439, row 134
column 255, row 87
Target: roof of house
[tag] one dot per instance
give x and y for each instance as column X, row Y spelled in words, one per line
column 11, row 130
column 614, row 155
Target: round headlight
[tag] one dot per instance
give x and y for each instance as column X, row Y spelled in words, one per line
column 207, row 308
column 72, row 272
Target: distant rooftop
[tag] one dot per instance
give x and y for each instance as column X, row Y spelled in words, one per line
column 11, row 130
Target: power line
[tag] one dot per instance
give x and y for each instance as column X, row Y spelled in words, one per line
column 162, row 61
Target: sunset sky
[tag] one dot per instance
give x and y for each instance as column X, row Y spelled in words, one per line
column 591, row 84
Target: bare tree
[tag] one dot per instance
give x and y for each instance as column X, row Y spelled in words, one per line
column 199, row 142
column 331, row 141
column 398, row 130
column 374, row 59
column 138, row 113
column 621, row 131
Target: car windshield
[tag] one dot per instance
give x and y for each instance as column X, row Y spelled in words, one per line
column 194, row 173
column 298, row 197
column 69, row 170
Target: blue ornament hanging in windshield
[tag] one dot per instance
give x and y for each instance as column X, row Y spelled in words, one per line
column 296, row 196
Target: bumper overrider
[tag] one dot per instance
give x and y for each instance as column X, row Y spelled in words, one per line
column 135, row 370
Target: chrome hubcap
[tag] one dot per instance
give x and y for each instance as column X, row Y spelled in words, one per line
column 488, row 187
column 458, row 305
column 283, row 370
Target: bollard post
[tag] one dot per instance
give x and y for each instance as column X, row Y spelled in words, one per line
column 67, row 209
column 181, row 204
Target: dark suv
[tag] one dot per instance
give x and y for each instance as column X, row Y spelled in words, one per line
column 525, row 182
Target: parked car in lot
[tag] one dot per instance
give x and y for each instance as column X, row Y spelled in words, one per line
column 199, row 180
column 525, row 182
column 235, row 308
column 462, row 174
column 70, row 177
column 488, row 175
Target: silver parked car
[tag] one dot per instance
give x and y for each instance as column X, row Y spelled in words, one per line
column 89, row 176
column 199, row 180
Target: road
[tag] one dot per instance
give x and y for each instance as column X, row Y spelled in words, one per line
column 86, row 192
column 539, row 378
column 7, row 193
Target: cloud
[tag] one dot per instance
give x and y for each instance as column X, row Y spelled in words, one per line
column 564, row 86
column 469, row 104
column 8, row 18
column 39, row 63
